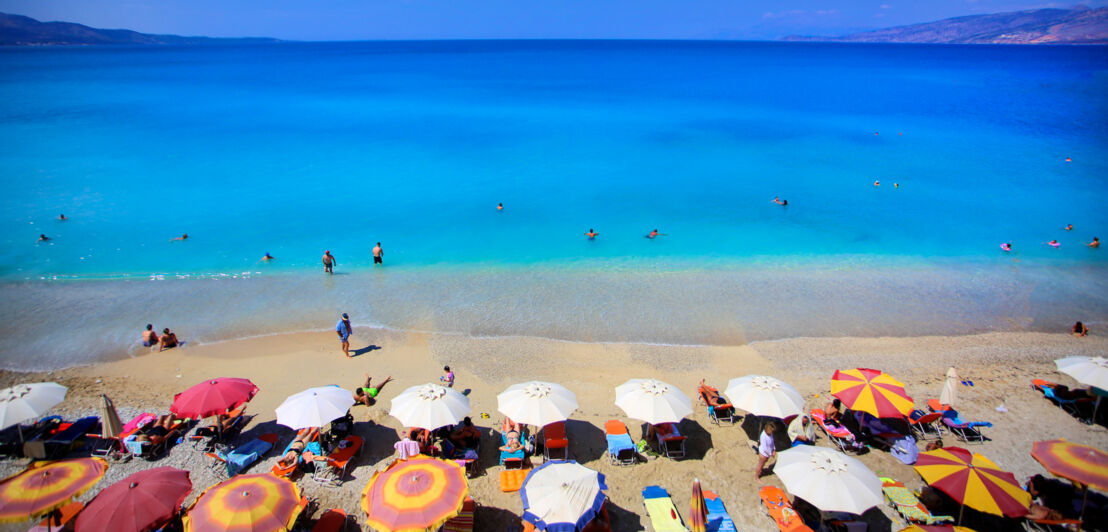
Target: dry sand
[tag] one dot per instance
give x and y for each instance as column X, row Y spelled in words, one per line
column 1000, row 364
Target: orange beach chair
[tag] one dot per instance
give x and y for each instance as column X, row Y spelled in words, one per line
column 338, row 462
column 781, row 510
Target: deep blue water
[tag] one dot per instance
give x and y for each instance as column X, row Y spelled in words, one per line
column 296, row 148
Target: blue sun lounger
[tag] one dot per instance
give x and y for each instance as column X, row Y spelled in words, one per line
column 718, row 518
column 621, row 448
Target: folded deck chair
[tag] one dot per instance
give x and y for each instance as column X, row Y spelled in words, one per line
column 332, row 470
column 621, row 448
column 333, row 520
column 925, row 424
column 901, row 499
column 781, row 510
column 463, row 522
column 671, row 443
column 61, row 443
column 513, row 460
column 663, row 514
column 1072, row 406
column 718, row 518
column 839, row 435
column 966, row 431
column 555, row 443
column 723, row 412
column 238, row 459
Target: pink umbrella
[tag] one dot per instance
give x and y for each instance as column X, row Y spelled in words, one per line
column 213, row 397
column 141, row 502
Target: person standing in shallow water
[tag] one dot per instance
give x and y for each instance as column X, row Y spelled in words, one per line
column 343, row 329
column 329, row 262
column 377, row 254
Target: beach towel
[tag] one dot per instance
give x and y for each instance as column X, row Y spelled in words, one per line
column 833, row 429
column 138, row 422
column 718, row 518
column 951, row 419
column 241, row 458
column 406, row 448
column 619, row 442
column 908, row 505
column 659, row 507
column 905, row 450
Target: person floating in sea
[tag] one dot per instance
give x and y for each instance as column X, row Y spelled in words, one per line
column 43, row 238
column 267, row 257
column 499, row 206
column 62, row 217
column 653, row 234
column 343, row 329
column 780, row 201
column 1069, row 159
column 184, row 236
column 1095, row 243
column 896, row 185
column 877, row 183
column 591, row 234
column 1007, row 246
column 329, row 262
column 377, row 253
column 1069, row 227
column 1053, row 243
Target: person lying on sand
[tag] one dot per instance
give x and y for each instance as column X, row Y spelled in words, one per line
column 367, row 393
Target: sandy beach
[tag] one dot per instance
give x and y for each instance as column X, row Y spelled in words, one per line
column 1000, row 364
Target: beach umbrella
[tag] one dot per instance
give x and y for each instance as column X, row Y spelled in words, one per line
column 212, row 397
column 28, row 401
column 537, row 403
column 1090, row 371
column 255, row 503
column 110, row 425
column 429, row 406
column 974, row 481
column 950, row 387
column 869, row 390
column 830, row 480
column 1079, row 463
column 141, row 502
column 419, row 493
column 936, row 528
column 652, row 401
column 562, row 496
column 46, row 486
column 764, row 396
column 698, row 509
column 314, row 407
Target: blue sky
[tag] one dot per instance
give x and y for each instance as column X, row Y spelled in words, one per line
column 498, row 19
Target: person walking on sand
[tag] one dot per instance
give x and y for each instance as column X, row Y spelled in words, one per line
column 343, row 329
column 766, row 448
column 150, row 336
column 329, row 262
column 447, row 379
column 377, row 253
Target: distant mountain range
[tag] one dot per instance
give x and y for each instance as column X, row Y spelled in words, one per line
column 1080, row 25
column 20, row 30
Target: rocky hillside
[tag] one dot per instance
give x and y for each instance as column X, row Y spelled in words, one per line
column 20, row 30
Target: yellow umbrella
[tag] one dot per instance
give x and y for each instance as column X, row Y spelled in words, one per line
column 869, row 390
column 46, row 486
column 419, row 493
column 258, row 503
column 974, row 481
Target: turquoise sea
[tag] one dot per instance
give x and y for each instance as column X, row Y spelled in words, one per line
column 297, row 148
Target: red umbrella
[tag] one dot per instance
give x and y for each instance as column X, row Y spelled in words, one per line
column 213, row 397
column 141, row 502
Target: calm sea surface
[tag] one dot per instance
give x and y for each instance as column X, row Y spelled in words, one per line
column 297, row 148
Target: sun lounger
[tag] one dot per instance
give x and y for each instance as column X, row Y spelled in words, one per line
column 333, row 520
column 1072, row 406
column 621, row 448
column 465, row 457
column 718, row 518
column 62, row 520
column 966, row 431
column 463, row 522
column 113, row 449
column 555, row 443
column 238, row 459
column 663, row 514
column 901, row 499
column 288, row 469
column 839, row 435
column 937, row 406
column 511, row 460
column 14, row 438
column 207, row 438
column 1039, row 384
column 333, row 470
column 1052, row 525
column 670, row 443
column 156, row 446
column 716, row 413
column 925, row 424
column 61, row 443
column 781, row 510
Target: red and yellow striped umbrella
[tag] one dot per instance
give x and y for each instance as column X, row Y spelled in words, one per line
column 246, row 503
column 46, row 486
column 1079, row 463
column 974, row 481
column 936, row 528
column 872, row 391
column 419, row 493
column 698, row 513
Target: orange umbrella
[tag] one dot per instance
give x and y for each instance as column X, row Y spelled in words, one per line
column 1079, row 463
column 869, row 390
column 419, row 493
column 974, row 481
column 254, row 503
column 46, row 486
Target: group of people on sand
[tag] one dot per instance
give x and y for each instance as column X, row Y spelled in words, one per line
column 167, row 340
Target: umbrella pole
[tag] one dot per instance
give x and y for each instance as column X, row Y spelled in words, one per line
column 961, row 510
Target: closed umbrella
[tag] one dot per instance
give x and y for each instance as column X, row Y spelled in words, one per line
column 537, row 403
column 254, row 503
column 28, row 401
column 314, row 407
column 830, row 480
column 419, row 493
column 870, row 390
column 950, row 387
column 698, row 509
column 212, row 397
column 973, row 480
column 765, row 396
column 141, row 502
column 429, row 406
column 653, row 401
column 110, row 425
column 46, row 486
column 562, row 496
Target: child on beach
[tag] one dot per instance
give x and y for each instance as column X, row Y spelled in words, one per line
column 766, row 448
column 447, row 379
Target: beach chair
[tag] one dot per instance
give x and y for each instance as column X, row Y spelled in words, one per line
column 671, row 443
column 718, row 518
column 60, row 519
column 153, row 449
column 463, row 522
column 925, row 424
column 112, row 449
column 511, row 460
column 61, row 443
column 333, row 520
column 935, row 405
column 468, row 458
column 663, row 514
column 230, row 463
column 1052, row 525
column 901, row 499
column 967, row 431
column 1072, row 406
column 716, row 414
column 842, row 438
column 207, row 438
column 287, row 470
column 14, row 438
column 621, row 448
column 555, row 444
column 781, row 510
column 331, row 471
column 1039, row 384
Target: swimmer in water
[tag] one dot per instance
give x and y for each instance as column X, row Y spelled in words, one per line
column 1069, row 159
column 1053, row 243
column 267, row 256
column 1095, row 243
column 591, row 234
column 499, row 206
column 1069, row 227
column 62, row 217
column 182, row 237
column 896, row 185
column 876, row 183
column 1007, row 246
column 652, row 234
column 43, row 238
column 780, row 201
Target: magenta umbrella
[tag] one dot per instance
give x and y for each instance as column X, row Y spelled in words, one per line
column 213, row 397
column 139, row 503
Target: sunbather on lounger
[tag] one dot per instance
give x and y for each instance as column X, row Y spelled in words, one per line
column 711, row 395
column 157, row 432
column 508, row 425
column 298, row 449
column 223, row 423
column 834, row 412
column 513, row 443
column 467, row 436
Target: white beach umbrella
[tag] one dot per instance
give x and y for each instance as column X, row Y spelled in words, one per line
column 28, row 401
column 950, row 388
column 537, row 403
column 429, row 406
column 562, row 495
column 1090, row 371
column 830, row 480
column 653, row 401
column 314, row 407
column 764, row 396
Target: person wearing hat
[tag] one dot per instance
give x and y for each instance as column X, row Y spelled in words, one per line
column 343, row 329
column 329, row 262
